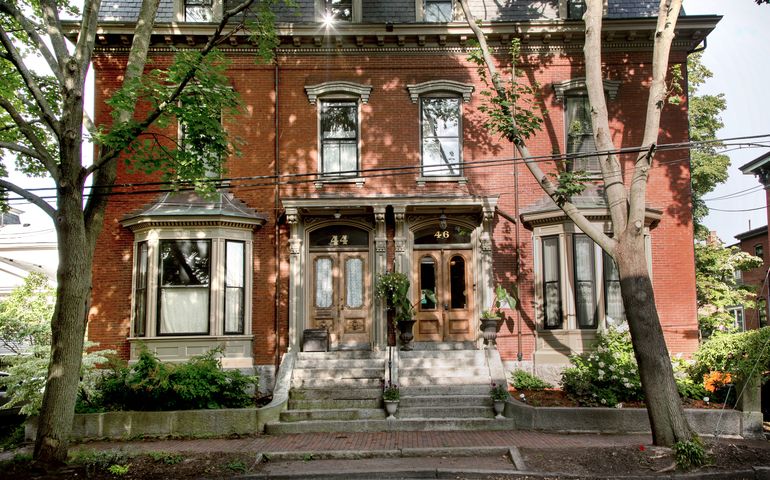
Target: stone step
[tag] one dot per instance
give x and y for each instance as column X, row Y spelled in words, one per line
column 343, row 383
column 446, row 390
column 337, row 373
column 450, row 354
column 348, row 414
column 335, row 404
column 339, row 355
column 445, row 412
column 340, row 363
column 453, row 371
column 404, row 363
column 330, row 392
column 409, row 401
column 403, row 425
column 482, row 381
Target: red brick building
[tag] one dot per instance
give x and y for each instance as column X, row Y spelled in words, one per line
column 372, row 128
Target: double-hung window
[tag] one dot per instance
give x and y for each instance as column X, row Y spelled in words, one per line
column 235, row 282
column 338, row 10
column 585, row 292
column 576, row 9
column 438, row 11
column 199, row 10
column 580, row 138
column 552, row 310
column 440, row 118
column 339, row 137
column 184, row 287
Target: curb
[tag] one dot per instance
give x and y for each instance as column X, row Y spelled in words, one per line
column 287, row 456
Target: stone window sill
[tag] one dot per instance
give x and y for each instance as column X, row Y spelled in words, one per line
column 359, row 181
column 421, row 181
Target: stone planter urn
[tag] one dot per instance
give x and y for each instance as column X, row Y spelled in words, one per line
column 489, row 330
column 499, row 406
column 391, row 406
column 406, row 327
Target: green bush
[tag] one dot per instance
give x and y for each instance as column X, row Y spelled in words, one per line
column 690, row 454
column 199, row 383
column 522, row 380
column 687, row 386
column 607, row 376
column 744, row 356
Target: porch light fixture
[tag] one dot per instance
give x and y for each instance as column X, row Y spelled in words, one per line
column 442, row 220
column 337, row 214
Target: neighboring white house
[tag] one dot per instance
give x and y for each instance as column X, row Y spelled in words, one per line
column 24, row 248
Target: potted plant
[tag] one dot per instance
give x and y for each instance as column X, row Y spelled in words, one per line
column 393, row 289
column 499, row 394
column 391, row 395
column 490, row 318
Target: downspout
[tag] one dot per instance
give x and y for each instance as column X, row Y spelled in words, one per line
column 277, row 233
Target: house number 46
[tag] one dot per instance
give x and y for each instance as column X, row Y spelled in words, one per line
column 441, row 234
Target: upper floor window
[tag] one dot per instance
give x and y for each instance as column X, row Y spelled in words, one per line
column 439, row 11
column 738, row 320
column 339, row 10
column 339, row 137
column 440, row 118
column 580, row 137
column 759, row 250
column 199, row 10
column 576, row 9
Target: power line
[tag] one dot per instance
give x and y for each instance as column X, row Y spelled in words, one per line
column 737, row 194
column 741, row 210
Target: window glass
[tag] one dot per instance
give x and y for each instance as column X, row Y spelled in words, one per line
column 140, row 293
column 457, row 282
column 613, row 302
column 737, row 313
column 354, row 282
column 339, row 10
column 439, row 11
column 339, row 236
column 551, row 283
column 339, row 137
column 323, row 282
column 184, row 294
column 440, row 136
column 427, row 281
column 199, row 10
column 234, row 286
column 576, row 9
column 759, row 251
column 580, row 139
column 585, row 302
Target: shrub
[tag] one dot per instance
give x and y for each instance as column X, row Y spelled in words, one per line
column 685, row 384
column 199, row 383
column 742, row 355
column 522, row 380
column 499, row 393
column 390, row 392
column 607, row 376
column 690, row 454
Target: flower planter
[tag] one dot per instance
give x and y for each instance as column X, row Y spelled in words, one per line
column 405, row 327
column 499, row 406
column 391, row 406
column 489, row 330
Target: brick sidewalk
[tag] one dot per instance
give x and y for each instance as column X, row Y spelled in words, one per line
column 374, row 441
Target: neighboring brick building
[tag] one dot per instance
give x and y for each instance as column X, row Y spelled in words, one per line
column 404, row 177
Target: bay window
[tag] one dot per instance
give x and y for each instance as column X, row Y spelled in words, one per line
column 184, row 287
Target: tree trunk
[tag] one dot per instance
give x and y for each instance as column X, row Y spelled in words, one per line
column 68, row 330
column 664, row 408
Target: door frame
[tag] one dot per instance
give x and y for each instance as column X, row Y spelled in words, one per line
column 308, row 295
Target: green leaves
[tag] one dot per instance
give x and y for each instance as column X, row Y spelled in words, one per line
column 568, row 184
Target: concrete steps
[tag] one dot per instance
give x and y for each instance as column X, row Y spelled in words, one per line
column 440, row 390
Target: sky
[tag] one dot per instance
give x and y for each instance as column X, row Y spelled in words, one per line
column 737, row 55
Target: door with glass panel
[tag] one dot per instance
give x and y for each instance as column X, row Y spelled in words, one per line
column 339, row 293
column 448, row 274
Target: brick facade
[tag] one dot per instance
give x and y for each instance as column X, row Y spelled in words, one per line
column 276, row 106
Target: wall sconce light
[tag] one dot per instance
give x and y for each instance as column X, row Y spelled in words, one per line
column 388, row 26
column 442, row 220
column 337, row 214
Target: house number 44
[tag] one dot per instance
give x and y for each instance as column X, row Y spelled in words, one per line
column 339, row 240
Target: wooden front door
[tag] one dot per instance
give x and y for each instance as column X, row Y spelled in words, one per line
column 448, row 274
column 339, row 297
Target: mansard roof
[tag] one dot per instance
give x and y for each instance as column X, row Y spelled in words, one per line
column 397, row 11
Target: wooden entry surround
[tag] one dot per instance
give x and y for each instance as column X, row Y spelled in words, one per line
column 449, row 274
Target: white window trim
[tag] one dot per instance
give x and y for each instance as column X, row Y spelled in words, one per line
column 460, row 178
column 218, row 237
column 733, row 311
column 419, row 9
column 320, row 10
column 179, row 10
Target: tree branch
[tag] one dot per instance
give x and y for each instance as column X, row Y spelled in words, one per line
column 31, row 135
column 612, row 174
column 664, row 36
column 158, row 111
column 53, row 29
column 30, row 197
column 48, row 116
column 574, row 214
column 16, row 147
column 32, row 31
column 87, row 36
